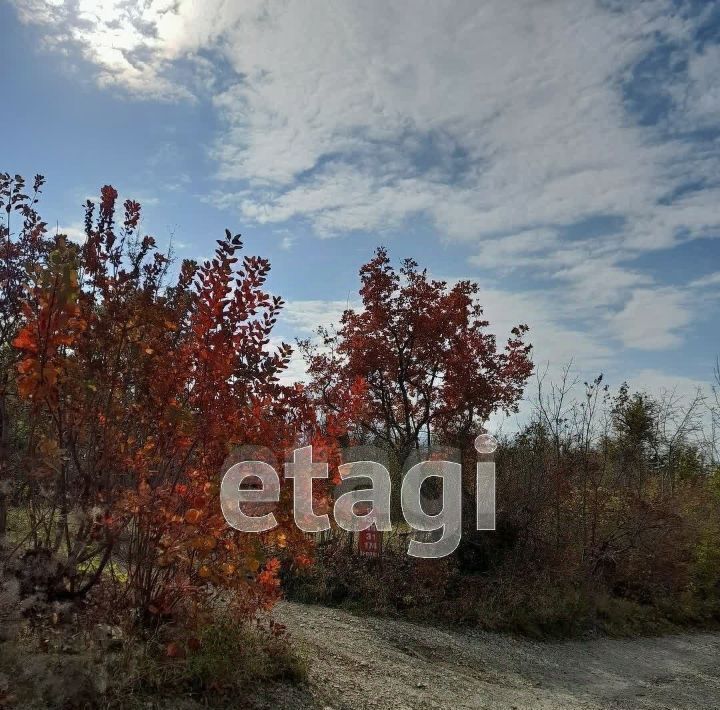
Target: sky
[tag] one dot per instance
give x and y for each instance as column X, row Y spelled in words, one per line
column 563, row 154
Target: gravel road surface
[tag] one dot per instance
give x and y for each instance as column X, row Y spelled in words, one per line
column 367, row 662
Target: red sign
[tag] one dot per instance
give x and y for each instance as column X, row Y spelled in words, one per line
column 370, row 542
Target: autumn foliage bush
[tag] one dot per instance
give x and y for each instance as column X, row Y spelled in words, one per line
column 127, row 381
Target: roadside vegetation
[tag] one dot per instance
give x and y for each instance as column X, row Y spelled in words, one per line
column 125, row 382
column 608, row 520
column 127, row 379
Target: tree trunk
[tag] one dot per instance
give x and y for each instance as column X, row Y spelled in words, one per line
column 4, row 445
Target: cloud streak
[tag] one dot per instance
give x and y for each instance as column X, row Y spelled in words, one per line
column 508, row 127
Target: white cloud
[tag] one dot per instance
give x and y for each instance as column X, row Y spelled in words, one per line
column 304, row 317
column 530, row 247
column 712, row 279
column 658, row 382
column 296, row 371
column 553, row 341
column 301, row 319
column 287, row 242
column 485, row 117
column 700, row 97
column 652, row 319
column 75, row 232
column 502, row 123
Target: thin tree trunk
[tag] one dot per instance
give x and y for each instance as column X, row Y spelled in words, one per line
column 4, row 446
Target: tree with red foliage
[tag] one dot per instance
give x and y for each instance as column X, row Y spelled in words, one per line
column 28, row 245
column 416, row 364
column 136, row 393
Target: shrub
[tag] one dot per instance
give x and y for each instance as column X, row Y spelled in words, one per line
column 133, row 388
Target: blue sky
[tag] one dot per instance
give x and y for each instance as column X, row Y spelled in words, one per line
column 566, row 155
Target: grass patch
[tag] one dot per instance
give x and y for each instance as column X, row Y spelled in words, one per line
column 48, row 669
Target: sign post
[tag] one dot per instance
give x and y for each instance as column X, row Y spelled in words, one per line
column 369, row 540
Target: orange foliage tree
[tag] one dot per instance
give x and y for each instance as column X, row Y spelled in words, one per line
column 137, row 392
column 27, row 246
column 416, row 364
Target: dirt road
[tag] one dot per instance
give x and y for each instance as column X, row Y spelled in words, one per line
column 364, row 662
